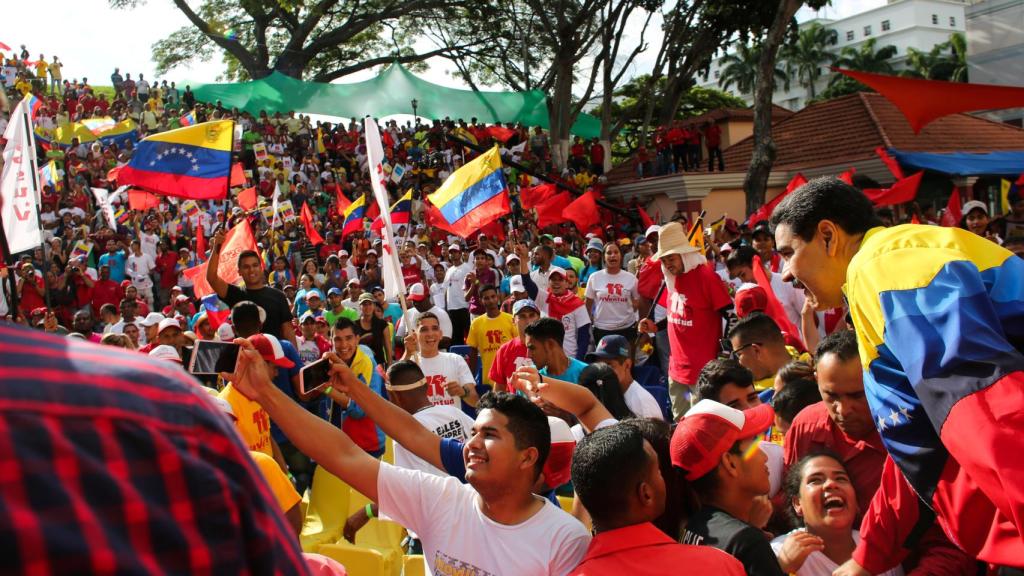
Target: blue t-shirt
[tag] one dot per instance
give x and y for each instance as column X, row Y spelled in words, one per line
column 116, row 263
column 562, row 262
column 393, row 313
column 571, row 374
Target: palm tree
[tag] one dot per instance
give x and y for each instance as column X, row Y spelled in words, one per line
column 946, row 61
column 808, row 53
column 863, row 58
column 740, row 68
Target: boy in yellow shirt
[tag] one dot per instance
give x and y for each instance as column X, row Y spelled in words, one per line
column 489, row 331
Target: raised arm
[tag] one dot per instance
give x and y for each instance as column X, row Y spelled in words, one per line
column 317, row 438
column 568, row 396
column 212, row 278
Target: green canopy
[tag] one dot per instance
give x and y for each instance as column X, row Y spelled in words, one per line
column 389, row 93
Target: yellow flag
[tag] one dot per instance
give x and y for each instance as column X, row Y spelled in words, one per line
column 697, row 236
column 1004, row 196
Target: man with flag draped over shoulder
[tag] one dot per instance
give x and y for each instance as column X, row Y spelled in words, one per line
column 939, row 317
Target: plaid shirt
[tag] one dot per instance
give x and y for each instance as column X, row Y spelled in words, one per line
column 114, row 463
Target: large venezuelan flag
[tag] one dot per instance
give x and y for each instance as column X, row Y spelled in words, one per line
column 192, row 162
column 474, row 196
column 939, row 317
column 354, row 216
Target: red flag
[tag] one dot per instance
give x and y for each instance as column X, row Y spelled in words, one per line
column 237, row 177
column 583, row 212
column 645, row 218
column 247, row 199
column 551, row 211
column 494, row 230
column 433, row 217
column 200, row 243
column 307, row 220
column 372, row 211
column 142, row 200
column 533, row 196
column 890, row 162
column 765, row 212
column 914, row 219
column 904, row 190
column 237, row 240
column 341, row 202
column 500, row 133
column 774, row 309
column 951, row 217
column 1020, row 180
column 848, row 176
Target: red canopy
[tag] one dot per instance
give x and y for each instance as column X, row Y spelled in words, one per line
column 922, row 101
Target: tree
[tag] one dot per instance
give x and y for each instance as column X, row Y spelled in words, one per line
column 808, row 53
column 864, row 58
column 763, row 157
column 321, row 40
column 739, row 68
column 945, row 61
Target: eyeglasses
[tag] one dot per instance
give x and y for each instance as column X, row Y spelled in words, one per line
column 735, row 354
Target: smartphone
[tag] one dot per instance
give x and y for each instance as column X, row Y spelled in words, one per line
column 212, row 357
column 314, row 376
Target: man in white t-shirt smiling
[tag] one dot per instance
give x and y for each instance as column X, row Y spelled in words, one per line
column 449, row 380
column 493, row 525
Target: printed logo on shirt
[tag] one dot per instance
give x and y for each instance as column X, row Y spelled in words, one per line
column 436, row 392
column 445, row 565
column 677, row 310
column 692, row 539
column 453, row 429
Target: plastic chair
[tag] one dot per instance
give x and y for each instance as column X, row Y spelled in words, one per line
column 326, row 513
column 358, row 561
column 660, row 394
column 389, row 450
column 382, row 535
column 414, row 565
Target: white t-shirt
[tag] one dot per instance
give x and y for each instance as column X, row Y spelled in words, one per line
column 641, row 402
column 455, row 285
column 776, row 467
column 458, row 538
column 412, row 315
column 441, row 369
column 444, row 421
column 138, row 269
column 791, row 298
column 817, row 564
column 148, row 243
column 572, row 322
column 613, row 296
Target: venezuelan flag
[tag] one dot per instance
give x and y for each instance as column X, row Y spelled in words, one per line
column 192, row 162
column 188, row 119
column 120, row 134
column 401, row 213
column 354, row 217
column 474, row 196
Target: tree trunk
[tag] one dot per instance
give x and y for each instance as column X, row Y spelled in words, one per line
column 761, row 161
column 560, row 113
column 677, row 86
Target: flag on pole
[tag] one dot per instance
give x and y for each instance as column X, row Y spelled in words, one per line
column 848, row 176
column 1005, row 187
column 391, row 269
column 475, row 195
column 534, row 196
column 188, row 119
column 142, row 200
column 891, row 163
column 765, row 211
column 401, row 212
column 583, row 212
column 951, row 217
column 192, row 162
column 216, row 311
column 274, row 203
column 774, row 309
column 696, row 235
column 307, row 222
column 902, row 191
column 50, row 175
column 19, row 187
column 353, row 221
column 237, row 240
column 247, row 199
column 200, row 242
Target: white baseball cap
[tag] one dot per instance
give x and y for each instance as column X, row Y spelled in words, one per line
column 152, row 319
column 555, row 270
column 515, row 284
column 165, row 352
column 417, row 292
column 169, row 323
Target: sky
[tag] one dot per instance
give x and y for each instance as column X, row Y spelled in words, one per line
column 91, row 38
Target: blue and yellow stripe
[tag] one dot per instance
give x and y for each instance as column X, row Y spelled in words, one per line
column 470, row 187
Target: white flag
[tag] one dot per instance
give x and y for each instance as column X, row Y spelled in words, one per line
column 19, row 183
column 277, row 195
column 394, row 283
column 103, row 197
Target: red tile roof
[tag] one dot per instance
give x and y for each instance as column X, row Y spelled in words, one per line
column 851, row 127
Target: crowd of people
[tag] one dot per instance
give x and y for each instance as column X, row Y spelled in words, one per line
column 825, row 393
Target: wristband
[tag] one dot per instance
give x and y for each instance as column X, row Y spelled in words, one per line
column 369, row 510
column 328, row 390
column 465, row 390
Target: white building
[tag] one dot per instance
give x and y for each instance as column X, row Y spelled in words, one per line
column 919, row 24
column 995, row 48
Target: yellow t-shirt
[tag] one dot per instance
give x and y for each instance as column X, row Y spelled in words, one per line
column 253, row 421
column 282, row 488
column 55, row 70
column 487, row 335
column 41, row 68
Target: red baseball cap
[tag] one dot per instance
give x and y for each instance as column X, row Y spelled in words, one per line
column 270, row 350
column 558, row 466
column 749, row 300
column 709, row 429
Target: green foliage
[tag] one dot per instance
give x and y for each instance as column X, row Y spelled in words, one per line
column 807, row 55
column 864, row 58
column 946, row 61
column 739, row 69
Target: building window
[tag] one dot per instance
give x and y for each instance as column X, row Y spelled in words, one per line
column 717, row 74
column 849, row 35
column 867, row 30
column 952, row 21
column 935, row 19
column 885, row 26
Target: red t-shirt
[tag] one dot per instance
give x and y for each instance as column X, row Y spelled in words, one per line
column 597, row 154
column 694, row 322
column 105, row 292
column 675, row 136
column 713, row 136
column 30, row 300
column 507, row 360
column 166, row 263
column 412, row 274
column 577, row 151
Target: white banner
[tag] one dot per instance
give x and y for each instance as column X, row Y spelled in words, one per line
column 394, row 283
column 18, row 184
column 103, row 202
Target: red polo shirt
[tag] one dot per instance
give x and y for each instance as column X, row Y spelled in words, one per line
column 813, row 429
column 642, row 549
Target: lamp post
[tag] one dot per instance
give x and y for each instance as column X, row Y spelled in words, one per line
column 415, row 103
